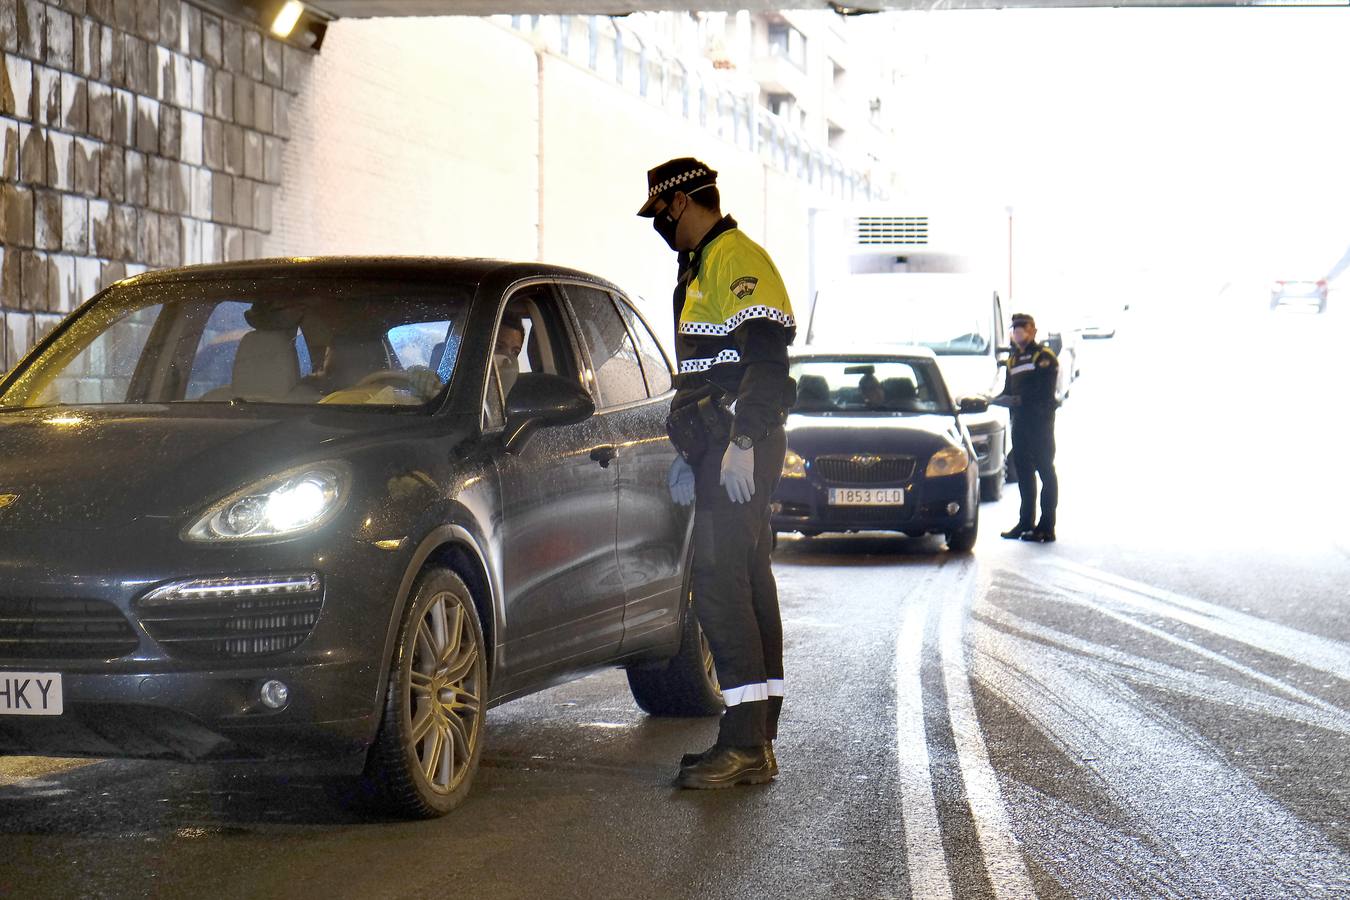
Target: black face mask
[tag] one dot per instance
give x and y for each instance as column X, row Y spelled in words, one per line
column 665, row 225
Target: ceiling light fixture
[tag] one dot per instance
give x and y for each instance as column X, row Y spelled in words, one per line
column 285, row 20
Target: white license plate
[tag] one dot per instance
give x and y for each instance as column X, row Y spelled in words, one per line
column 867, row 496
column 30, row 694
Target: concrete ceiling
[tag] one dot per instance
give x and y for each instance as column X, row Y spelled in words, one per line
column 368, row 8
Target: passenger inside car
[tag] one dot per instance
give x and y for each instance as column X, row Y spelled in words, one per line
column 869, row 388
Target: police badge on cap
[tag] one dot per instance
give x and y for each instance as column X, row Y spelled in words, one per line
column 683, row 174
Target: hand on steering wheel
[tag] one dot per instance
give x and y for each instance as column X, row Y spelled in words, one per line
column 419, row 381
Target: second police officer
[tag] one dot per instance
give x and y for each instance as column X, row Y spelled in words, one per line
column 733, row 325
column 1029, row 394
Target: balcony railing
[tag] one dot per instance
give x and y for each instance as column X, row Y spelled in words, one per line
column 705, row 96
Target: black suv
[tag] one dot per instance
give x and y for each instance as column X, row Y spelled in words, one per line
column 320, row 509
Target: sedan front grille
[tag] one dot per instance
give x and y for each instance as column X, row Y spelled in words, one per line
column 63, row 628
column 863, row 469
column 232, row 618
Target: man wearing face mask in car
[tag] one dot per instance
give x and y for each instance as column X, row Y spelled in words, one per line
column 733, row 325
column 506, row 352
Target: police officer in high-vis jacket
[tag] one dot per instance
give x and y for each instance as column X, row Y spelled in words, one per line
column 1029, row 394
column 733, row 325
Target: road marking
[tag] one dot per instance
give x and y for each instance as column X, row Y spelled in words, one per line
column 1323, row 654
column 926, row 862
column 1189, row 821
column 1002, row 857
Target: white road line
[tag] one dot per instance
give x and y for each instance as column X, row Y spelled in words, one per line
column 1323, row 654
column 926, row 862
column 1178, row 680
column 1207, row 828
column 1002, row 857
column 1275, row 684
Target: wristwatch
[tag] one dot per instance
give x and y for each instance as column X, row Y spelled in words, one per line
column 744, row 441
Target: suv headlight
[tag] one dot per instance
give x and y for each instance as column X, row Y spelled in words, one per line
column 947, row 461
column 793, row 465
column 285, row 505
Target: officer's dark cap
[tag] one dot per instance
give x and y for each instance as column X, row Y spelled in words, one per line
column 683, row 174
column 1023, row 319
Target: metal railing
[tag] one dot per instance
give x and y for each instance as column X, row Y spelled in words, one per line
column 701, row 97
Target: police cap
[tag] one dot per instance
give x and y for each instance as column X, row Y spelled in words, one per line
column 1022, row 319
column 682, row 174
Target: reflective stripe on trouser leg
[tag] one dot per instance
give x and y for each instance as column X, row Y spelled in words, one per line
column 734, row 591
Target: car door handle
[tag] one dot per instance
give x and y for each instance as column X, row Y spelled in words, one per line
column 604, row 455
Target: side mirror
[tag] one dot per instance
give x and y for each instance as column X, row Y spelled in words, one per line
column 1002, row 353
column 539, row 399
column 972, row 405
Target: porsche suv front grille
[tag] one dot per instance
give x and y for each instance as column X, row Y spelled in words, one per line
column 63, row 628
column 232, row 617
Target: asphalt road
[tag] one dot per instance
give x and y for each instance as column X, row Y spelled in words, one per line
column 1158, row 705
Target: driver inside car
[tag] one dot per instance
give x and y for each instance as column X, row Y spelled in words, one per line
column 506, row 351
column 356, row 371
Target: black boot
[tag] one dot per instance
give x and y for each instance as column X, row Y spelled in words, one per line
column 692, row 759
column 1040, row 536
column 1015, row 532
column 725, row 767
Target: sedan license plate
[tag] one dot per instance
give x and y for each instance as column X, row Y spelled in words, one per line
column 867, row 496
column 30, row 694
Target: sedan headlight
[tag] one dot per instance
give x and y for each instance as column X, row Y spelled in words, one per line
column 285, row 505
column 793, row 465
column 947, row 461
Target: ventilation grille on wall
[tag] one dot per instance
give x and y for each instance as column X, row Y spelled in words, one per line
column 895, row 230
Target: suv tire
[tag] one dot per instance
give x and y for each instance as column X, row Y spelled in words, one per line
column 686, row 685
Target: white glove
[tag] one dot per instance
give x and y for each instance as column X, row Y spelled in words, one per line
column 738, row 473
column 681, row 481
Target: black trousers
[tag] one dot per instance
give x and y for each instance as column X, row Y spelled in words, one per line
column 735, row 594
column 1033, row 453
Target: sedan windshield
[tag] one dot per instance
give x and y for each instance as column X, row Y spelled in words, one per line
column 868, row 386
column 276, row 340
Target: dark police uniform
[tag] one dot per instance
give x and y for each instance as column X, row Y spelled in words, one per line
column 733, row 325
column 1029, row 392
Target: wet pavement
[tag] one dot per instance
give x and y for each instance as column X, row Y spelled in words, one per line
column 1157, row 705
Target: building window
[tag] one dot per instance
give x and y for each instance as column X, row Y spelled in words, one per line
column 788, row 42
column 779, row 104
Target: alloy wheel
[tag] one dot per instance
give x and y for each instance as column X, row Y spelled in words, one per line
column 444, row 699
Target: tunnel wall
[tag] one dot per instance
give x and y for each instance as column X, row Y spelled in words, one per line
column 457, row 136
column 140, row 134
column 134, row 134
column 412, row 136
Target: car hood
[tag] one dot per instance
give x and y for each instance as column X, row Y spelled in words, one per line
column 908, row 435
column 91, row 468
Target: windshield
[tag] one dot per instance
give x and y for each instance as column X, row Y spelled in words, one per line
column 284, row 340
column 950, row 317
column 872, row 386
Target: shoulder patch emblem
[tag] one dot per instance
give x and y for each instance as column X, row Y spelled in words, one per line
column 744, row 287
column 1044, row 363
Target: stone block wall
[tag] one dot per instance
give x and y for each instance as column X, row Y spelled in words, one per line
column 134, row 134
